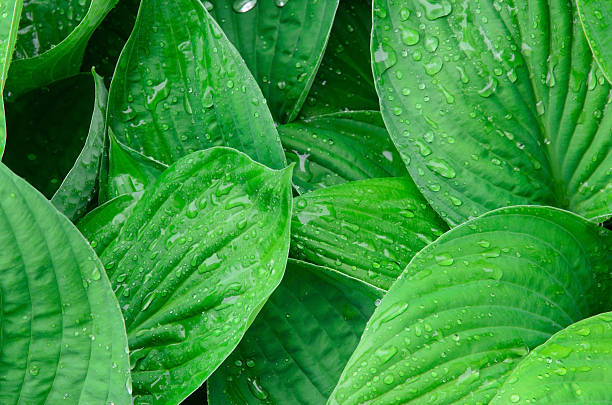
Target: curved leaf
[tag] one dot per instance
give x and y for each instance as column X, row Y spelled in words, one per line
column 493, row 105
column 595, row 17
column 181, row 86
column 282, row 43
column 574, row 366
column 344, row 80
column 469, row 306
column 341, row 147
column 367, row 229
column 52, row 39
column 193, row 264
column 295, row 350
column 63, row 338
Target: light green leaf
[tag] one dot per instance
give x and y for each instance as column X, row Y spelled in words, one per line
column 193, row 264
column 181, row 86
column 63, row 337
column 295, row 350
column 341, row 147
column 344, row 80
column 595, row 17
column 367, row 229
column 52, row 39
column 282, row 43
column 472, row 304
column 10, row 12
column 495, row 104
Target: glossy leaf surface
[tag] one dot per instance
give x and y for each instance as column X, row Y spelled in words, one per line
column 338, row 148
column 10, row 11
column 367, row 229
column 63, row 338
column 494, row 105
column 181, row 86
column 472, row 304
column 595, row 17
column 297, row 346
column 201, row 252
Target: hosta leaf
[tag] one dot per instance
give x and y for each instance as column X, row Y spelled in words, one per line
column 340, row 147
column 295, row 350
column 282, row 42
column 495, row 104
column 595, row 17
column 344, row 80
column 52, row 39
column 469, row 306
column 63, row 338
column 201, row 252
column 181, row 86
column 574, row 366
column 368, row 229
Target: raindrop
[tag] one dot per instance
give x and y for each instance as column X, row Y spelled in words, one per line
column 409, row 36
column 441, row 167
column 242, row 6
column 435, row 10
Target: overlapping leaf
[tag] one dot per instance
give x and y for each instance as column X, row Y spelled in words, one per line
column 63, row 338
column 493, row 104
column 472, row 304
column 595, row 17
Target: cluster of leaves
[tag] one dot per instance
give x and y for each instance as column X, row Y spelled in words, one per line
column 305, row 202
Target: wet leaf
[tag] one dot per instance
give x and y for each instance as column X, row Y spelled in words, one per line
column 595, row 17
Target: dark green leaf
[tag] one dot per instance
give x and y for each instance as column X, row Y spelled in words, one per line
column 344, row 80
column 63, row 338
column 493, row 105
column 52, row 39
column 181, row 86
column 367, row 229
column 595, row 16
column 193, row 264
column 472, row 304
column 295, row 350
column 336, row 148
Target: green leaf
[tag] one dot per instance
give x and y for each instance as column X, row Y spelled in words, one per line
column 367, row 229
column 494, row 105
column 63, row 338
column 595, row 17
column 10, row 12
column 52, row 39
column 193, row 264
column 344, row 80
column 181, row 86
column 56, row 141
column 574, row 366
column 295, row 350
column 282, row 43
column 472, row 304
column 341, row 147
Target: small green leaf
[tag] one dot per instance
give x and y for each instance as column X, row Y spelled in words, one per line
column 63, row 337
column 341, row 147
column 367, row 229
column 193, row 264
column 472, row 304
column 181, row 86
column 595, row 16
column 295, row 350
column 573, row 366
column 52, row 39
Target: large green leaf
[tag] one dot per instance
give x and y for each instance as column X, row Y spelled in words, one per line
column 340, row 147
column 282, row 42
column 10, row 12
column 195, row 261
column 181, row 86
column 595, row 16
column 368, row 229
column 494, row 104
column 295, row 350
column 344, row 80
column 62, row 334
column 472, row 304
column 52, row 38
column 574, row 366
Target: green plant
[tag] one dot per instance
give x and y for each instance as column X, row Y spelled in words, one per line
column 305, row 202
